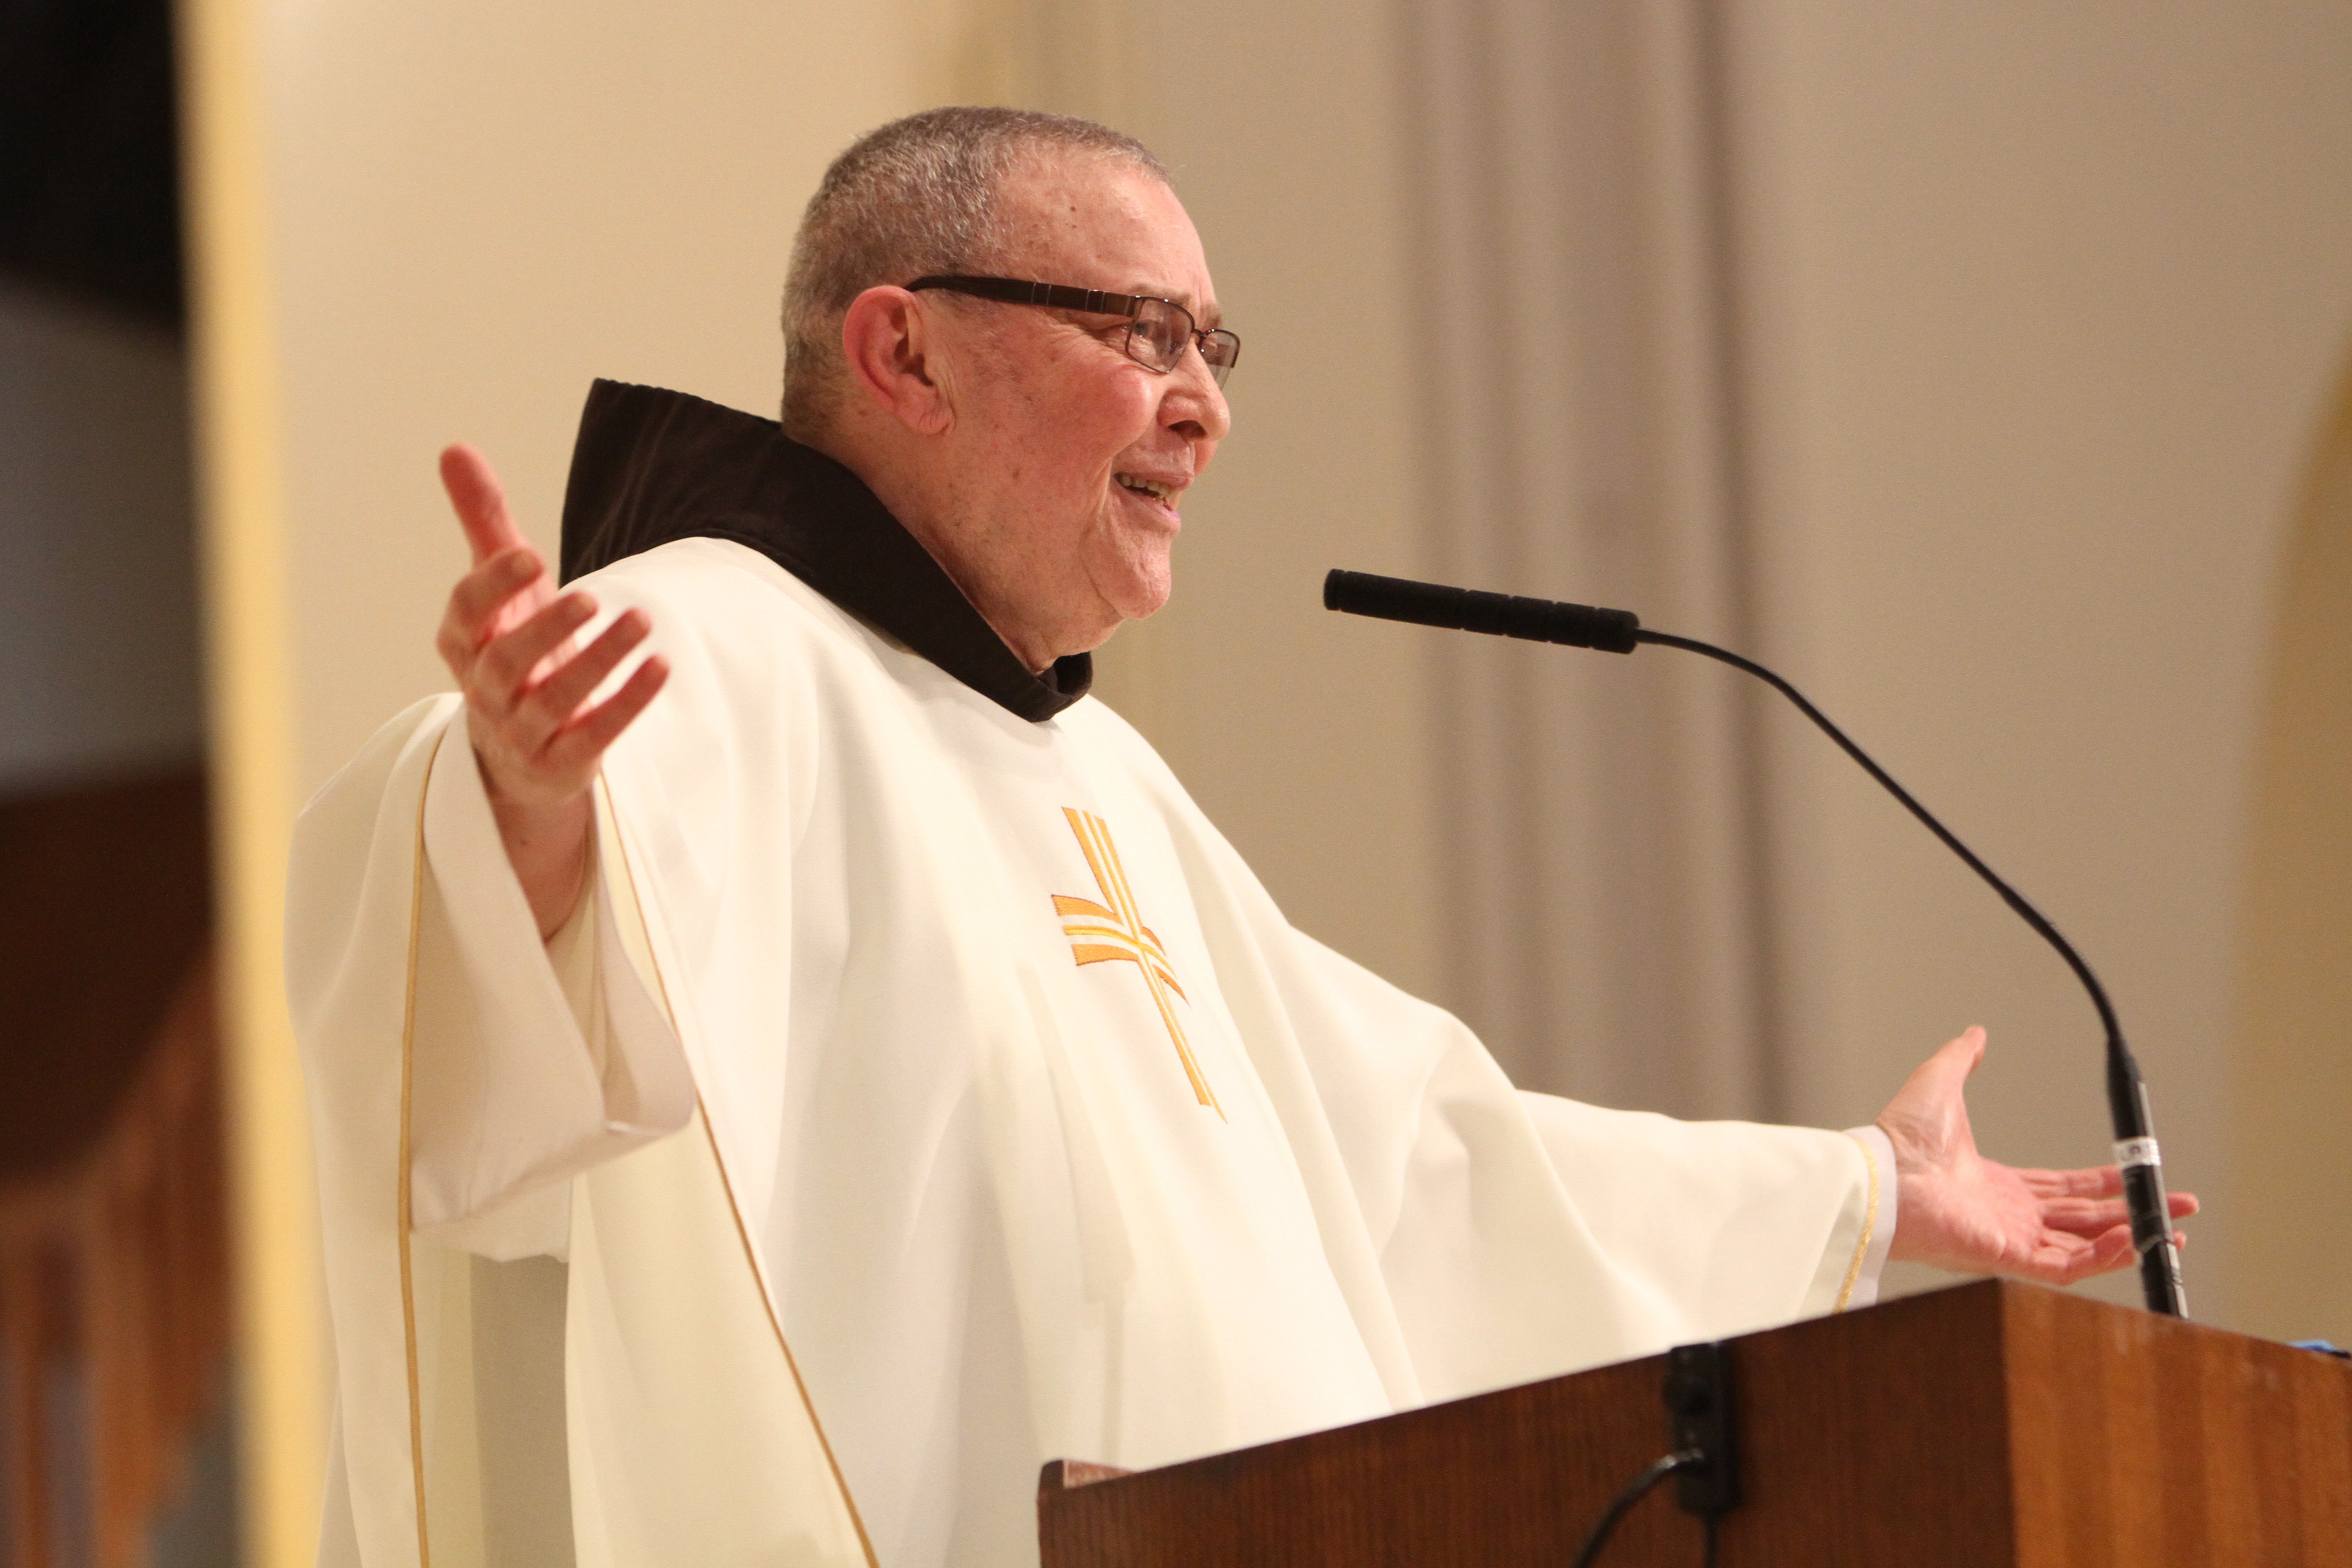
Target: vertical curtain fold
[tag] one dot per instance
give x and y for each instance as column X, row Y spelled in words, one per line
column 1604, row 857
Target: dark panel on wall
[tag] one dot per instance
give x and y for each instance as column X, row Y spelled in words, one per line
column 89, row 151
column 105, row 901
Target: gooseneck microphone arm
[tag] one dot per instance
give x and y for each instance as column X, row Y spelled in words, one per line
column 1621, row 631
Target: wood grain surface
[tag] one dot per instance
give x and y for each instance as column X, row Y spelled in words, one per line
column 1992, row 1425
column 2138, row 1439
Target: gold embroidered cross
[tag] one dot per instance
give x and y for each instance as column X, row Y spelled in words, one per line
column 1112, row 931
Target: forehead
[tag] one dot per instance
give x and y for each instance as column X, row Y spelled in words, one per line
column 1097, row 223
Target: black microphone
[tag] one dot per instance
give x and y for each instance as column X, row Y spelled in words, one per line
column 1621, row 631
column 1467, row 610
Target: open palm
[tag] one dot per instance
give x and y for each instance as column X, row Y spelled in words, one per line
column 512, row 642
column 1956, row 1209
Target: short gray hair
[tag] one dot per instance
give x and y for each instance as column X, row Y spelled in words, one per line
column 916, row 198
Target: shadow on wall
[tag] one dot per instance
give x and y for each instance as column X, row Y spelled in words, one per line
column 2294, row 1062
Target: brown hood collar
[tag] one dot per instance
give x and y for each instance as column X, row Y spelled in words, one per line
column 652, row 466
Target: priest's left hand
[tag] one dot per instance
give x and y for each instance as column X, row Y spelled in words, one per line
column 1956, row 1209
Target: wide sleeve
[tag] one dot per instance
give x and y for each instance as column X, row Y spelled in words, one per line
column 1521, row 1233
column 713, row 1457
column 1720, row 1190
column 533, row 1061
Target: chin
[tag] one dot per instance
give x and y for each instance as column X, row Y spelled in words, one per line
column 1137, row 580
column 1143, row 593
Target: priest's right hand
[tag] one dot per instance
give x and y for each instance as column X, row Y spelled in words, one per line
column 512, row 641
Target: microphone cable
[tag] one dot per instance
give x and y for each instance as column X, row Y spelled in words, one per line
column 1639, row 1488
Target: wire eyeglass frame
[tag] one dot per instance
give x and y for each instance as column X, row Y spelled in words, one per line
column 1158, row 329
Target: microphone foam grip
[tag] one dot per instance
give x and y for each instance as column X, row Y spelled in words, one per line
column 1469, row 610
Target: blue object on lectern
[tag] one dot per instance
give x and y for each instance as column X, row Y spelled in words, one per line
column 2322, row 1346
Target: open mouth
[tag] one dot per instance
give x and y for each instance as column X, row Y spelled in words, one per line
column 1165, row 494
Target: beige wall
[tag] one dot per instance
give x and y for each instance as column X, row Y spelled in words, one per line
column 484, row 207
column 2293, row 1080
column 2045, row 305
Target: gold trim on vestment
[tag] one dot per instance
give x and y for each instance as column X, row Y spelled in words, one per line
column 1869, row 1228
column 727, row 1186
column 407, row 1287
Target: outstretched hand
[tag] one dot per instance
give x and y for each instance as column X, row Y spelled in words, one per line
column 512, row 641
column 1956, row 1210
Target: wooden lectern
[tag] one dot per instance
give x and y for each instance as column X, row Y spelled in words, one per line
column 1984, row 1427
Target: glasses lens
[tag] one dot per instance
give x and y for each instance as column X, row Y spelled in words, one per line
column 1223, row 350
column 1159, row 334
column 1160, row 331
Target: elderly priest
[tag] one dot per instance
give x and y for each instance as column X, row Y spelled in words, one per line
column 786, row 1062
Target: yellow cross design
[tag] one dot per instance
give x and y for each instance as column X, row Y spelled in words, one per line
column 1112, row 931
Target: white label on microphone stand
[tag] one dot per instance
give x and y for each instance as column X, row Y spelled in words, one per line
column 2132, row 1151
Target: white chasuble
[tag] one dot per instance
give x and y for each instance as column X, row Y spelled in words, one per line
column 920, row 1093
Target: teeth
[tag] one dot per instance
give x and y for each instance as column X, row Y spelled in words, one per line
column 1151, row 488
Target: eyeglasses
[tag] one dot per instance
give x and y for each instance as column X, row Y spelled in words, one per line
column 1157, row 332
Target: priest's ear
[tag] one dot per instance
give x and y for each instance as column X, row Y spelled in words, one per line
column 890, row 341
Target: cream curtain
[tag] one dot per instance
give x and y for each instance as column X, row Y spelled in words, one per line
column 1603, row 869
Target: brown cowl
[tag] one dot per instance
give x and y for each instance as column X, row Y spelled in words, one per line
column 652, row 466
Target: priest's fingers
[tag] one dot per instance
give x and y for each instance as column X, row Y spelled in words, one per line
column 503, row 671
column 547, row 707
column 2059, row 1188
column 2093, row 1181
column 2090, row 1218
column 492, row 598
column 2084, row 1217
column 579, row 745
column 479, row 501
column 2107, row 1253
column 2066, row 1260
